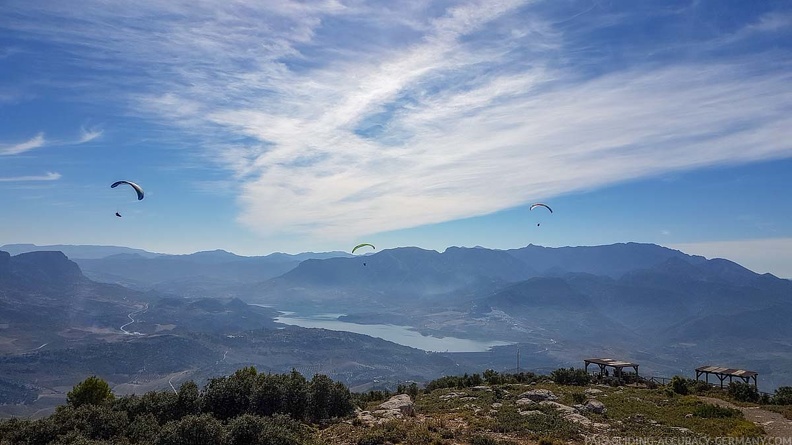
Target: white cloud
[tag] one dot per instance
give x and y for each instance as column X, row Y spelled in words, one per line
column 88, row 135
column 39, row 141
column 31, row 144
column 773, row 255
column 335, row 132
column 50, row 176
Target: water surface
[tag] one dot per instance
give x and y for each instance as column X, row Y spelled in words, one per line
column 403, row 335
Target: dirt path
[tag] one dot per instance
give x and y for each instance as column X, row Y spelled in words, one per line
column 774, row 424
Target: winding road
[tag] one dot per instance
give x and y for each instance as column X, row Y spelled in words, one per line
column 132, row 320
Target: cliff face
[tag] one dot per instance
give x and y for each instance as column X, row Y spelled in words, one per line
column 41, row 268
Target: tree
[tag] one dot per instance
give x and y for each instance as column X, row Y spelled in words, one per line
column 228, row 397
column 91, row 391
column 571, row 376
column 188, row 401
column 341, row 401
column 92, row 421
column 193, row 430
column 319, row 393
column 144, row 429
column 491, row 377
column 295, row 400
column 267, row 396
column 743, row 392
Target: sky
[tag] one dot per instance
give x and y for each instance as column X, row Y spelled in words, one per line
column 260, row 126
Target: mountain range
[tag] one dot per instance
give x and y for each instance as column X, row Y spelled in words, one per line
column 163, row 318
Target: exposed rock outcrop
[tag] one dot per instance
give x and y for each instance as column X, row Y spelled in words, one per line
column 396, row 407
column 538, row 395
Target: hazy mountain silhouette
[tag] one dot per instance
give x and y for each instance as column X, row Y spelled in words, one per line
column 44, row 294
column 611, row 260
column 659, row 306
column 406, row 272
column 191, row 275
column 77, row 251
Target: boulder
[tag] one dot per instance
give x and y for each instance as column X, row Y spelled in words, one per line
column 594, row 406
column 537, row 395
column 577, row 418
column 558, row 406
column 592, row 391
column 397, row 406
column 532, row 412
column 524, row 402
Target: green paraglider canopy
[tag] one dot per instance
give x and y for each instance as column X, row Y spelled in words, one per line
column 363, row 245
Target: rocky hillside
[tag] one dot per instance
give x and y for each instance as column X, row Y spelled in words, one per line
column 249, row 407
column 538, row 412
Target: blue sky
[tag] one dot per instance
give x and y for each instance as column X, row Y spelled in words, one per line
column 261, row 126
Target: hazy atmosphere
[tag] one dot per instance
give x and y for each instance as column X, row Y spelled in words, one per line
column 365, row 222
column 310, row 126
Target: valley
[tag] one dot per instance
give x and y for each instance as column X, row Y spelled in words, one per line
column 409, row 315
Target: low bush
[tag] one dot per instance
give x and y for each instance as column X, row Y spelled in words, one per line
column 710, row 411
column 570, row 376
column 743, row 392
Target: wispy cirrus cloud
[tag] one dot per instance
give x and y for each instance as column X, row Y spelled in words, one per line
column 49, row 176
column 39, row 141
column 88, row 135
column 344, row 118
column 33, row 143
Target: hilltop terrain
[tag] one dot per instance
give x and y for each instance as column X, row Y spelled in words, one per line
column 249, row 407
column 200, row 315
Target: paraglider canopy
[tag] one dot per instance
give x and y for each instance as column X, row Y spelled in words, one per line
column 363, row 245
column 137, row 188
column 539, row 204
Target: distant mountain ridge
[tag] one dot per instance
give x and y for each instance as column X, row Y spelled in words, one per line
column 77, row 251
column 411, row 271
column 190, row 275
column 661, row 307
column 611, row 260
column 567, row 301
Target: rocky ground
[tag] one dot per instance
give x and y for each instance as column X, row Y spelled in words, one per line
column 545, row 412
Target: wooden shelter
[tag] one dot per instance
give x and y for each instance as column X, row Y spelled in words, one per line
column 723, row 373
column 617, row 365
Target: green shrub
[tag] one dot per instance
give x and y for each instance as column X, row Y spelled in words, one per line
column 193, row 430
column 411, row 389
column 679, row 385
column 578, row 397
column 743, row 392
column 710, row 411
column 782, row 396
column 144, row 429
column 277, row 430
column 486, row 440
column 394, row 431
column 698, row 386
column 91, row 391
column 570, row 376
